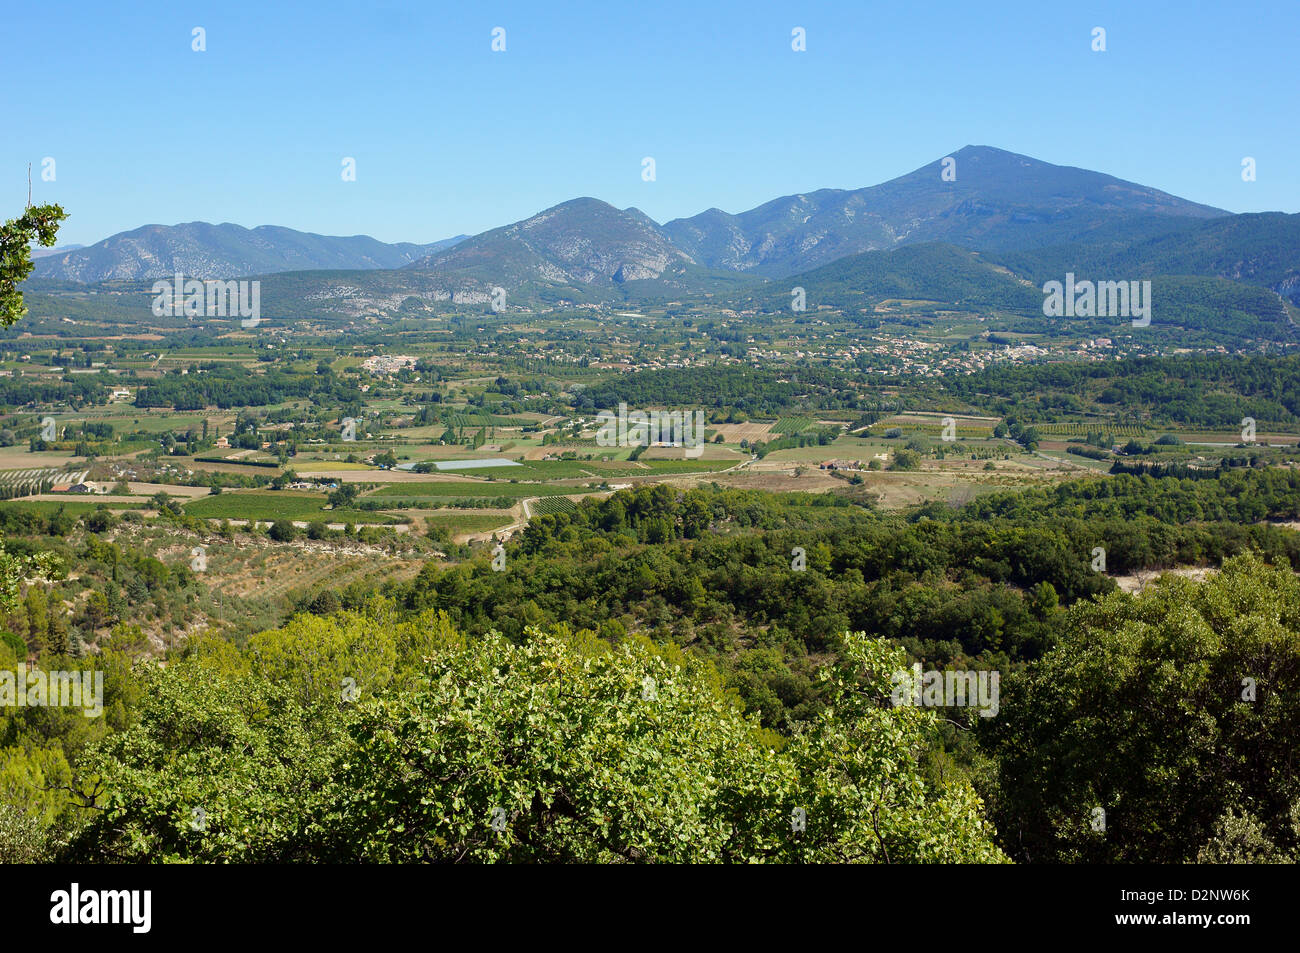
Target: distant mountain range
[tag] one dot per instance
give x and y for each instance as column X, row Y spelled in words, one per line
column 39, row 251
column 987, row 228
column 223, row 251
column 996, row 201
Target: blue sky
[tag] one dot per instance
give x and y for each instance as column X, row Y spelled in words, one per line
column 451, row 137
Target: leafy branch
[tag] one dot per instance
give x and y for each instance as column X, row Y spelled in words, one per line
column 38, row 223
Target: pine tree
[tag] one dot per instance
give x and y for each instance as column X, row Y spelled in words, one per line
column 37, row 606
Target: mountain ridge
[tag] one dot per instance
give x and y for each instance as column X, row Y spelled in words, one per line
column 1005, row 206
column 225, row 250
column 995, row 200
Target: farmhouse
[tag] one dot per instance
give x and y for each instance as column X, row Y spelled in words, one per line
column 85, row 487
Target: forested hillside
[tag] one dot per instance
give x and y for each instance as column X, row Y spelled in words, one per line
column 654, row 676
column 1206, row 390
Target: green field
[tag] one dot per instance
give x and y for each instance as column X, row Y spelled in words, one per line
column 792, row 425
column 913, row 428
column 536, row 470
column 687, row 466
column 463, row 420
column 273, row 506
column 554, row 504
column 1082, row 428
column 72, row 507
column 465, row 490
column 467, row 521
column 598, row 469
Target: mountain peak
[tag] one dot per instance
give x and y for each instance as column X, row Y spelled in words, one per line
column 991, row 199
column 971, row 151
column 584, row 204
column 583, row 241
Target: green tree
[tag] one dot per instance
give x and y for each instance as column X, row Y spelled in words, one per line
column 323, row 659
column 1156, row 721
column 37, row 606
column 37, row 223
column 217, row 768
column 567, row 749
column 906, row 460
column 344, row 496
column 563, row 748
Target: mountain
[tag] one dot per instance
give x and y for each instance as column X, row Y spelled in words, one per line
column 225, row 251
column 985, row 241
column 933, row 277
column 998, row 201
column 39, row 251
column 582, row 242
column 931, row 272
column 583, row 251
column 1261, row 249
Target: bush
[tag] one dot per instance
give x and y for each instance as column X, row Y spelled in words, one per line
column 100, row 521
column 906, row 460
column 283, row 531
column 15, row 643
column 22, row 838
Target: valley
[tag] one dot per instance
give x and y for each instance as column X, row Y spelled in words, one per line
column 743, row 468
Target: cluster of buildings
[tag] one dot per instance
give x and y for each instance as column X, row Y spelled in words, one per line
column 388, row 363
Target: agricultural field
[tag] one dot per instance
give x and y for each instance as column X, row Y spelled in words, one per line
column 464, row 490
column 72, row 505
column 464, row 522
column 792, row 425
column 751, row 432
column 29, row 482
column 553, row 504
column 222, row 412
column 284, row 504
column 1081, row 428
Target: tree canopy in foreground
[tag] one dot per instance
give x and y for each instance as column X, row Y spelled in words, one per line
column 561, row 749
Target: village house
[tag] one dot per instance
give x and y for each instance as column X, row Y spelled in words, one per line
column 83, row 487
